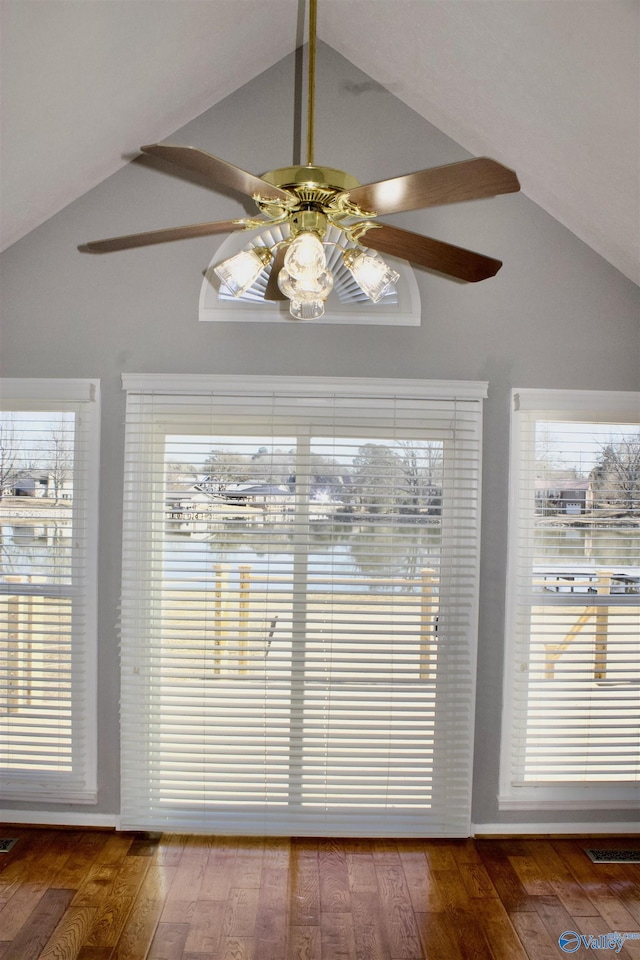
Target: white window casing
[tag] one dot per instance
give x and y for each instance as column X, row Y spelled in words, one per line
column 299, row 605
column 49, row 452
column 571, row 706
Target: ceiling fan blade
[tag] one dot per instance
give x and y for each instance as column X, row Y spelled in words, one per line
column 273, row 291
column 162, row 236
column 453, row 183
column 218, row 171
column 434, row 254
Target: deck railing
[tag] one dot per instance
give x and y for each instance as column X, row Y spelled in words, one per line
column 244, row 618
column 600, row 615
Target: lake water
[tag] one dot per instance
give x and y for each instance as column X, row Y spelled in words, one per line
column 395, row 551
column 376, row 550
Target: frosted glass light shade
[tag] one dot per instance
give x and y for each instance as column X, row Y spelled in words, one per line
column 372, row 274
column 305, row 259
column 318, row 289
column 306, row 309
column 307, row 296
column 240, row 272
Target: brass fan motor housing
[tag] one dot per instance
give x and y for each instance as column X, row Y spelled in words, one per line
column 311, row 178
column 320, row 195
column 317, row 186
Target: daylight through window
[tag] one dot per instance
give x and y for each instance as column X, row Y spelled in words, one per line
column 299, row 606
column 574, row 600
column 48, row 492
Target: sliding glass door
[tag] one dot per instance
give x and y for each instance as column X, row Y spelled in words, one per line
column 298, row 615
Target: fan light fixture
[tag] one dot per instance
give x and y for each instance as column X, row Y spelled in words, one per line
column 308, row 200
column 241, row 272
column 303, row 276
column 305, row 259
column 372, row 274
column 307, row 294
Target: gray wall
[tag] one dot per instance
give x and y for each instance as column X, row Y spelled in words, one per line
column 557, row 315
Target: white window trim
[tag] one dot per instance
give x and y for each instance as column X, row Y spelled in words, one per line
column 372, row 393
column 591, row 406
column 375, row 387
column 47, row 393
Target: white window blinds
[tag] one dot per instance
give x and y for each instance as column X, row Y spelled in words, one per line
column 299, row 605
column 573, row 614
column 48, row 521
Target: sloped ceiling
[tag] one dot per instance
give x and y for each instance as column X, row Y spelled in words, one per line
column 551, row 88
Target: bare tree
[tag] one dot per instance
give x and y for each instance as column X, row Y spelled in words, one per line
column 180, row 476
column 422, row 471
column 272, row 466
column 327, row 476
column 60, row 458
column 616, row 476
column 9, row 453
column 551, row 461
column 224, row 467
column 378, row 478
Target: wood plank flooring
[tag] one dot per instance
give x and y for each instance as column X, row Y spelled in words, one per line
column 82, row 895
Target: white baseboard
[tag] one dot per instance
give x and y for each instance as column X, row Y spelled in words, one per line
column 112, row 820
column 548, row 829
column 56, row 819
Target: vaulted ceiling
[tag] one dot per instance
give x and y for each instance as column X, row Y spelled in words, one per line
column 550, row 88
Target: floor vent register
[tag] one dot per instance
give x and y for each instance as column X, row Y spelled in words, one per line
column 7, row 843
column 614, row 856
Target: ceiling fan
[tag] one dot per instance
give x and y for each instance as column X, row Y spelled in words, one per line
column 309, row 199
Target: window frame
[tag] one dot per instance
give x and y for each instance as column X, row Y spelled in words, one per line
column 81, row 396
column 142, row 492
column 528, row 405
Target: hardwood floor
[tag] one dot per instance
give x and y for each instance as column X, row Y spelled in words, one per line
column 79, row 895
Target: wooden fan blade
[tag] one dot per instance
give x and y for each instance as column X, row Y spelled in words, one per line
column 273, row 291
column 162, row 236
column 218, row 171
column 434, row 254
column 468, row 180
